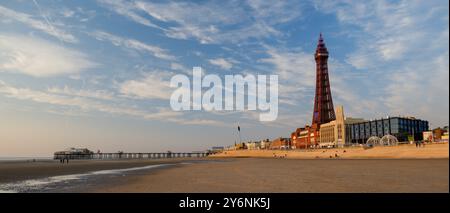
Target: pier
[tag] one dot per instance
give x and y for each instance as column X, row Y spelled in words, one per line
column 119, row 155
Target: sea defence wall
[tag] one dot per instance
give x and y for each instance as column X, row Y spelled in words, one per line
column 407, row 151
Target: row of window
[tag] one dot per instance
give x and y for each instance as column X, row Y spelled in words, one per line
column 383, row 127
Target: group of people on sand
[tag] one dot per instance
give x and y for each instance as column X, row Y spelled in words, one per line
column 64, row 160
column 331, row 156
column 420, row 144
column 279, row 156
column 335, row 154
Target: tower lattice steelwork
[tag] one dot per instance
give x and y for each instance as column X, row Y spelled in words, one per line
column 323, row 103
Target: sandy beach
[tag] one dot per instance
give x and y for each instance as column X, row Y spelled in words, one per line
column 293, row 175
column 403, row 168
column 409, row 151
column 381, row 169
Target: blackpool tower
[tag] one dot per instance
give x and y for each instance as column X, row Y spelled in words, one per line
column 323, row 103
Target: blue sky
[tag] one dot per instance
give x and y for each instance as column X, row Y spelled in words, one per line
column 96, row 73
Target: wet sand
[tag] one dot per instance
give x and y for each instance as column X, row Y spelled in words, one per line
column 12, row 171
column 293, row 175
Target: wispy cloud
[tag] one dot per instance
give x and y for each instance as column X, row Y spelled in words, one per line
column 389, row 30
column 155, row 85
column 222, row 63
column 133, row 44
column 80, row 14
column 40, row 58
column 89, row 103
column 95, row 94
column 180, row 68
column 127, row 9
column 210, row 22
column 276, row 12
column 296, row 69
column 45, row 27
column 398, row 46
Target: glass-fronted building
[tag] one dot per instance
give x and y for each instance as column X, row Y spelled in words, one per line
column 404, row 128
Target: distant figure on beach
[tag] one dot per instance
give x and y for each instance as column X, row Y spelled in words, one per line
column 63, row 160
column 417, row 144
column 67, row 160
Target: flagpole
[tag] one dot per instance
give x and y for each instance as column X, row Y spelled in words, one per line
column 240, row 141
column 239, row 132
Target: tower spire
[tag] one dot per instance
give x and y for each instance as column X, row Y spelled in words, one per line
column 321, row 48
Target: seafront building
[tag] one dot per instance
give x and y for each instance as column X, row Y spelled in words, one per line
column 281, row 143
column 253, row 145
column 436, row 135
column 333, row 133
column 265, row 144
column 303, row 137
column 217, row 149
column 403, row 128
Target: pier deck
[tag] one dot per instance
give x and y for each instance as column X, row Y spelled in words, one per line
column 152, row 155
